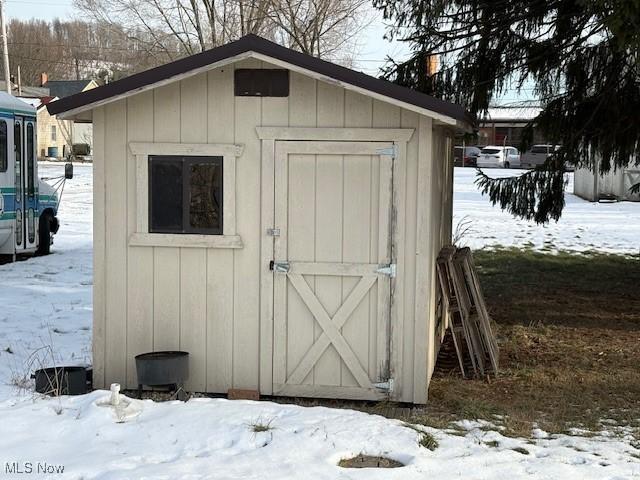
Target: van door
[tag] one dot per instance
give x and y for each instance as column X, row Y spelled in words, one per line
column 19, row 183
column 26, row 182
column 30, row 184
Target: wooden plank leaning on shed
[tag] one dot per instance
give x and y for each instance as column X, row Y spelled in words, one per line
column 469, row 320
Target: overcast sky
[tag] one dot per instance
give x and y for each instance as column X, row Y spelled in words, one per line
column 370, row 57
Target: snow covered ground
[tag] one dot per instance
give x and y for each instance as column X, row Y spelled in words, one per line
column 584, row 226
column 45, row 309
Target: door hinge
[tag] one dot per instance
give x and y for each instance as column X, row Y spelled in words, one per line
column 279, row 267
column 386, row 386
column 391, row 151
column 389, row 270
column 273, row 232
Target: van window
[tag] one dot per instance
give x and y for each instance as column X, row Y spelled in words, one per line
column 185, row 194
column 540, row 149
column 17, row 145
column 30, row 163
column 3, row 146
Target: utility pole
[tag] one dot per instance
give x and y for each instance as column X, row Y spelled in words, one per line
column 5, row 50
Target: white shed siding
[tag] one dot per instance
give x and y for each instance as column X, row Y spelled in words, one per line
column 617, row 182
column 208, row 300
column 584, row 184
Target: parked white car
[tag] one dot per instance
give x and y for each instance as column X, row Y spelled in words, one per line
column 493, row 156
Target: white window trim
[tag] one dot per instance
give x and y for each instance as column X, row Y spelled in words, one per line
column 229, row 237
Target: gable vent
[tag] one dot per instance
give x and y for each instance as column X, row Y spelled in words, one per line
column 256, row 82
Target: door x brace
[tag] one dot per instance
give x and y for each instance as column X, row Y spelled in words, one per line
column 330, row 327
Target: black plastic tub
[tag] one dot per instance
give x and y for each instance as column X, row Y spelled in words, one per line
column 162, row 369
column 61, row 380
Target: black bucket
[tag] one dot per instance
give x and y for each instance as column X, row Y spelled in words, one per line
column 61, row 380
column 162, row 369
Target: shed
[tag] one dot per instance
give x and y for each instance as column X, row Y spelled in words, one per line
column 273, row 214
column 615, row 184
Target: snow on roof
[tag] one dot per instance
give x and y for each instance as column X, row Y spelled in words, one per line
column 37, row 102
column 513, row 114
column 10, row 102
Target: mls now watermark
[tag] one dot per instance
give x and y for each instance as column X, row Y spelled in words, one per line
column 35, row 468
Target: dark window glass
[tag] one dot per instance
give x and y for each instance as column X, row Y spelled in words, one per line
column 185, row 194
column 540, row 149
column 3, row 146
column 256, row 82
column 165, row 190
column 205, row 210
column 30, row 162
column 17, row 145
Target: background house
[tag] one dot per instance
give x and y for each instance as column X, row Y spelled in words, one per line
column 504, row 126
column 26, row 90
column 304, row 262
column 54, row 134
column 80, row 132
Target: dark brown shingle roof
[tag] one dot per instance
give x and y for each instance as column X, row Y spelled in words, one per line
column 253, row 43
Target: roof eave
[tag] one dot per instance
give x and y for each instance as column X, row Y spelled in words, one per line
column 255, row 47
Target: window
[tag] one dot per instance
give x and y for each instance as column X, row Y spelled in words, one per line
column 257, row 82
column 3, row 146
column 17, row 145
column 54, row 134
column 30, row 161
column 185, row 194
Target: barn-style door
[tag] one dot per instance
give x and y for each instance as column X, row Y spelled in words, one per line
column 332, row 269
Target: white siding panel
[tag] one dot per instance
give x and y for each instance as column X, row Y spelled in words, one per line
column 193, row 261
column 246, row 309
column 220, row 273
column 408, row 216
column 166, row 266
column 140, row 259
column 116, row 241
column 99, row 249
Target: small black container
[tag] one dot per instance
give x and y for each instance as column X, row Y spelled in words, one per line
column 61, row 380
column 162, row 369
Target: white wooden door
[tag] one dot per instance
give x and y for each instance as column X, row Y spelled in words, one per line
column 332, row 271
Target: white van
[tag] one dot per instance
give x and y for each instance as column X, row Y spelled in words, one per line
column 28, row 206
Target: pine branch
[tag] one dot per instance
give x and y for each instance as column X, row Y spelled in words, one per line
column 536, row 195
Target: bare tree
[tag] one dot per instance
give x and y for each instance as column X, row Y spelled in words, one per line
column 69, row 49
column 175, row 28
column 323, row 28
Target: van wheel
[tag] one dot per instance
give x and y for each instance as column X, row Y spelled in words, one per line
column 44, row 234
column 506, row 165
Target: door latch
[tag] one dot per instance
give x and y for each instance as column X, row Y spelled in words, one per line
column 273, row 232
column 279, row 267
